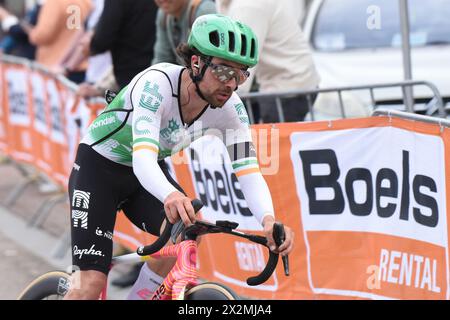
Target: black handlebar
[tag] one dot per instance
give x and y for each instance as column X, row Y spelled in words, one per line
column 279, row 236
column 202, row 227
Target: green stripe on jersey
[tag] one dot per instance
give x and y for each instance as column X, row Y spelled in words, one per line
column 244, row 163
column 135, row 141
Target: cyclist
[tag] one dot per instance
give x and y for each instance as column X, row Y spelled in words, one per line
column 120, row 161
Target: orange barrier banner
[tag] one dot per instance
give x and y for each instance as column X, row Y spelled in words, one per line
column 18, row 112
column 366, row 199
column 3, row 120
column 41, row 120
column 57, row 137
column 40, row 128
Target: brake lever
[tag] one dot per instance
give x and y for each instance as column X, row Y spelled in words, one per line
column 179, row 227
column 279, row 236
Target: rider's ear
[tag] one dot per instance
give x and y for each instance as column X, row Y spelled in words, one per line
column 195, row 61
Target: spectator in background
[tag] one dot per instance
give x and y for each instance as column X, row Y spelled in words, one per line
column 173, row 25
column 16, row 41
column 99, row 67
column 79, row 51
column 59, row 24
column 285, row 58
column 127, row 29
column 97, row 64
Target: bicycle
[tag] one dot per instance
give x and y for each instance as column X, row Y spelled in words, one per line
column 182, row 282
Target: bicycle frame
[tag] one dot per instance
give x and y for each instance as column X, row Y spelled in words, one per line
column 183, row 274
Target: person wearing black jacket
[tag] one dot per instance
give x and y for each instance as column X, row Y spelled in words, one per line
column 127, row 29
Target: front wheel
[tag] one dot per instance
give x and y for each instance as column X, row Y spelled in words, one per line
column 50, row 286
column 211, row 291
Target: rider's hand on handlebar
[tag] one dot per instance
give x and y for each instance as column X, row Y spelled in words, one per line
column 177, row 206
column 288, row 243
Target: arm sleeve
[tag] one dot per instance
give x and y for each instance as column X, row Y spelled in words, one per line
column 238, row 140
column 108, row 27
column 50, row 20
column 148, row 95
column 162, row 51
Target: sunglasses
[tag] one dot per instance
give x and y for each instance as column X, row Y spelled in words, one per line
column 226, row 73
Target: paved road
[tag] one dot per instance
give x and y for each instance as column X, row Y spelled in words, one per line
column 18, row 267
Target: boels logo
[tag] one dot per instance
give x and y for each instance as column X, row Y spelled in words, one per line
column 385, row 183
column 218, row 187
column 384, row 180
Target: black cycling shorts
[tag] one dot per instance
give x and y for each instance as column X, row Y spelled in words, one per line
column 98, row 188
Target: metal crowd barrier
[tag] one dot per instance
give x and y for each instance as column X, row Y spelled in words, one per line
column 435, row 104
column 411, row 116
column 33, row 65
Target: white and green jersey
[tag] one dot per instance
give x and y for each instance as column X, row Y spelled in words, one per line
column 144, row 124
column 147, row 113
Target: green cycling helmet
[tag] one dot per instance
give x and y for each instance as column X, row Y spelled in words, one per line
column 220, row 36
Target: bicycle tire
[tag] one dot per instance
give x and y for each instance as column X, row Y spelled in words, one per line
column 211, row 291
column 51, row 284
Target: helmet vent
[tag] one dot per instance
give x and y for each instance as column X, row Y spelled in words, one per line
column 252, row 49
column 231, row 43
column 214, row 38
column 243, row 45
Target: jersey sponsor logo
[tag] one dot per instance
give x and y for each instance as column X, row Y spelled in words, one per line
column 243, row 117
column 89, row 252
column 109, row 145
column 103, row 122
column 80, row 201
column 107, row 234
column 142, row 124
column 77, row 216
column 150, row 98
column 172, row 132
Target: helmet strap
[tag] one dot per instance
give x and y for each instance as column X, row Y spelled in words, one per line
column 198, row 77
